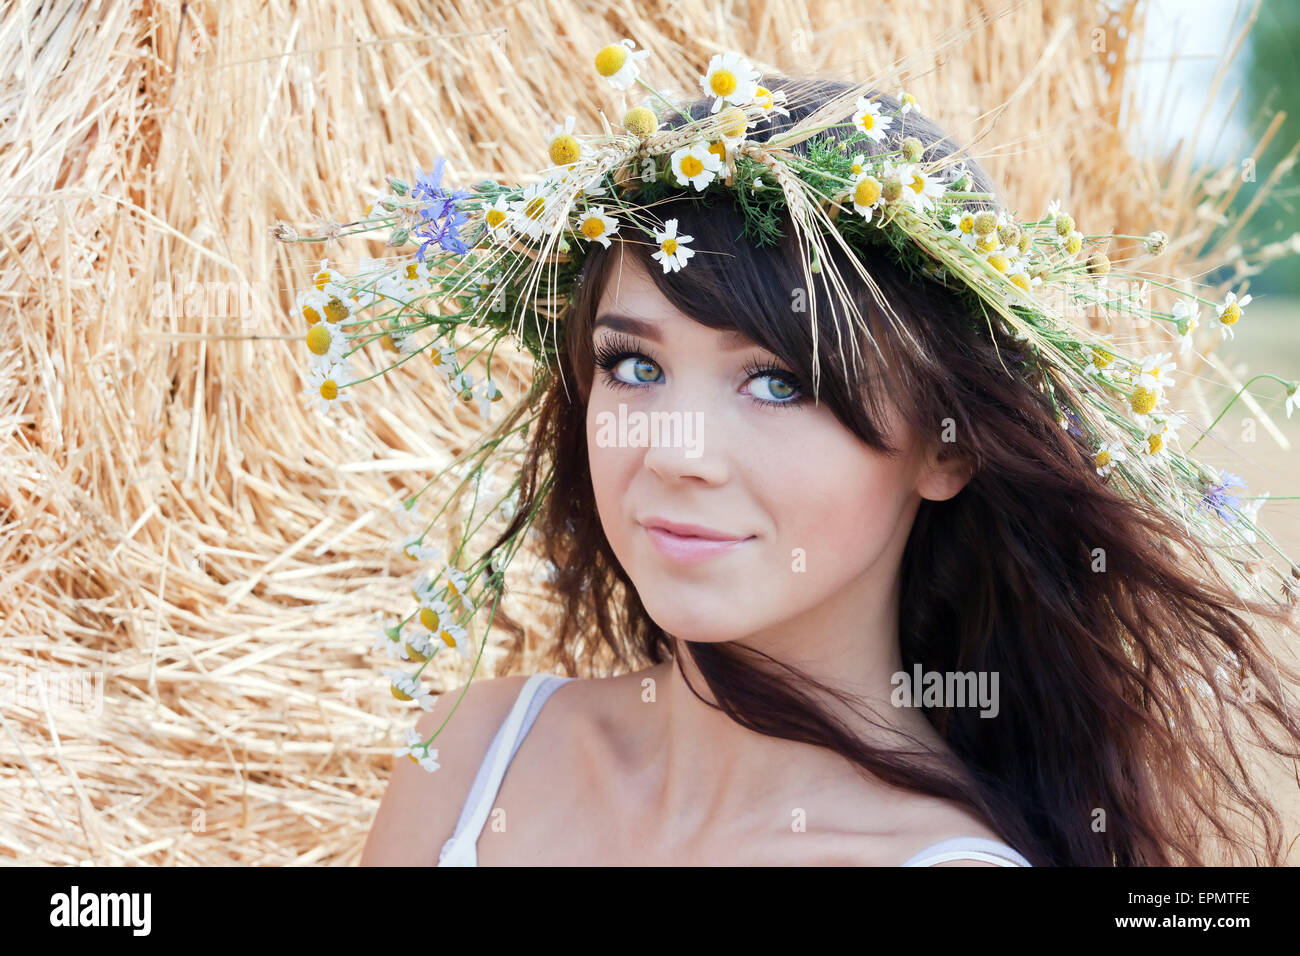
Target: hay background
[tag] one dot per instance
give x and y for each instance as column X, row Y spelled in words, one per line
column 176, row 522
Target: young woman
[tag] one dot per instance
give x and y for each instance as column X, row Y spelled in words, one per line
column 764, row 592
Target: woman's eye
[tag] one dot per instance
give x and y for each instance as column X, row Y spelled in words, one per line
column 772, row 388
column 637, row 369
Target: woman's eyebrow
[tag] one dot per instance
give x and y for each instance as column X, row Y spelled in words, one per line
column 650, row 330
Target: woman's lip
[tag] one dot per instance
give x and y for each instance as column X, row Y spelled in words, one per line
column 688, row 549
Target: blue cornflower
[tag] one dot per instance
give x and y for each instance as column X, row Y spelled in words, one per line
column 1075, row 423
column 439, row 217
column 1216, row 496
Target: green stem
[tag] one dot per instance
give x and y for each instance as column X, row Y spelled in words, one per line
column 662, row 99
column 1233, row 401
column 473, row 670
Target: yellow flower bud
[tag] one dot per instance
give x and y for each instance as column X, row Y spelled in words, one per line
column 1142, row 400
column 565, row 149
column 640, row 121
column 318, row 339
column 867, row 191
column 610, row 59
column 335, row 310
column 733, row 121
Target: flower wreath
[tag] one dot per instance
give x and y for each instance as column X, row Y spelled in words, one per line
column 497, row 261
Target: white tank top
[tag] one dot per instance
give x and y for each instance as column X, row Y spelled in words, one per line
column 461, row 849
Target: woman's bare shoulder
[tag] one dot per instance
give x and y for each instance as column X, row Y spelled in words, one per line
column 419, row 809
column 927, row 820
column 899, row 825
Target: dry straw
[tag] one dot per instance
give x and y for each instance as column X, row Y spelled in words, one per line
column 193, row 564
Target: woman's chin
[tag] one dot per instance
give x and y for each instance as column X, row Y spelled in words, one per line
column 703, row 620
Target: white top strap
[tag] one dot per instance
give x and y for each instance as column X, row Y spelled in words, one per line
column 968, row 848
column 460, row 849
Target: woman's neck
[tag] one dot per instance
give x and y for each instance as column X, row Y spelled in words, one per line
column 692, row 766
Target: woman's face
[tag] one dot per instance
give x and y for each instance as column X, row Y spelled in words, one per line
column 814, row 520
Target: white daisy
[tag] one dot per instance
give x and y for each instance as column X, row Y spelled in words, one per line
column 405, row 517
column 455, row 585
column 866, row 194
column 456, row 637
column 1154, row 372
column 406, row 687
column 1292, row 398
column 963, row 227
column 418, row 750
column 1157, row 435
column 770, row 100
column 395, row 647
column 420, row 646
column 404, row 343
column 696, row 165
column 434, row 611
column 620, row 67
column 419, row 552
column 327, row 343
column 920, row 188
column 907, row 103
column 413, row 739
column 1108, row 456
column 325, row 384
column 487, row 393
column 497, row 219
column 443, row 359
column 1228, row 314
column 730, row 78
column 327, row 280
column 1187, row 313
column 597, row 226
column 462, row 388
column 536, row 211
column 869, row 121
column 310, row 304
column 1146, row 402
column 673, row 251
column 563, row 129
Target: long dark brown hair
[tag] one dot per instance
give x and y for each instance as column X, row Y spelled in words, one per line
column 1103, row 752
